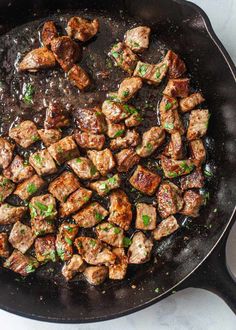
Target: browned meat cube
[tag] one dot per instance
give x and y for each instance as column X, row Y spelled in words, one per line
column 37, row 59
column 43, row 162
column 64, row 150
column 55, row 116
column 82, row 29
column 84, row 168
column 103, row 187
column 130, row 139
column 140, row 249
column 145, row 180
column 96, row 275
column 137, row 38
column 192, row 203
column 152, row 74
column 126, row 159
column 73, row 266
column 198, row 152
column 170, row 119
column 151, row 140
column 128, row 88
column 114, row 111
column 124, row 57
column 6, row 153
column 4, row 248
column 45, row 248
column 103, row 160
column 21, row 237
column 120, row 209
column 66, row 52
column 167, row 227
column 193, row 180
column 198, row 124
column 190, row 102
column 89, row 140
column 49, row 136
column 49, row 32
column 6, row 188
column 110, row 234
column 115, row 129
column 175, row 147
column 21, row 263
column 43, row 207
column 90, row 215
column 29, row 187
column 63, row 186
column 64, row 240
column 177, row 88
column 177, row 66
column 169, row 199
column 119, row 269
column 134, row 120
column 10, row 214
column 79, row 77
column 19, row 170
column 173, row 168
column 91, row 120
column 25, row 133
column 146, row 216
column 75, row 202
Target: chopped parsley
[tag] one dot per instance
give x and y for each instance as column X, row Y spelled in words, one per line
column 115, row 54
column 168, row 106
column 112, row 180
column 86, row 198
column 78, row 160
column 149, row 147
column 35, row 138
column 4, row 182
column 169, row 125
column 117, row 230
column 28, row 94
column 157, row 290
column 38, row 159
column 98, row 216
column 92, row 242
column 146, row 219
column 142, row 69
column 208, row 173
column 31, row 188
column 185, row 167
column 119, row 133
column 68, row 228
column 93, row 170
column 103, row 186
column 31, row 267
column 125, row 93
column 45, row 210
column 158, row 73
column 127, row 241
column 130, row 109
column 68, row 240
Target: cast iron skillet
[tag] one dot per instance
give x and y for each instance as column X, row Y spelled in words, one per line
column 203, row 255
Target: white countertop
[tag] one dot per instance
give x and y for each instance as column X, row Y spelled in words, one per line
column 190, row 309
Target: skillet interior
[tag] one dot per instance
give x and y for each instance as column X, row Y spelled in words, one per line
column 176, row 256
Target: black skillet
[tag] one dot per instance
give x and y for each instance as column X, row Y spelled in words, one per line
column 198, row 261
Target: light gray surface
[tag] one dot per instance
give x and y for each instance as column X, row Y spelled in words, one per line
column 191, row 309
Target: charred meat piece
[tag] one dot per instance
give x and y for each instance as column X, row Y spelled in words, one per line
column 4, row 248
column 50, row 136
column 72, row 267
column 49, row 32
column 193, row 180
column 21, row 237
column 103, row 187
column 130, row 139
column 145, row 180
column 128, row 88
column 114, row 111
column 10, row 214
column 110, row 234
column 151, row 73
column 91, row 120
column 82, row 29
column 37, row 59
column 198, row 152
column 75, row 202
column 170, row 119
column 63, row 186
column 19, row 170
column 119, row 269
column 177, row 88
column 190, row 102
column 84, row 168
column 137, row 38
column 120, row 209
column 64, row 150
column 21, row 263
column 96, row 275
column 103, row 160
column 146, row 216
column 134, row 120
column 126, row 159
column 25, row 133
column 6, row 153
column 115, row 129
column 198, row 124
column 6, row 188
column 192, row 203
column 90, row 215
column 64, row 240
column 29, row 187
column 167, row 227
column 55, row 116
column 140, row 249
column 89, row 140
column 175, row 147
column 169, row 199
column 79, row 77
column 45, row 248
column 173, row 168
column 124, row 57
column 151, row 140
column 177, row 66
column 43, row 162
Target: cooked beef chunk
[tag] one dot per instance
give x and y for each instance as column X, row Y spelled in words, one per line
column 177, row 88
column 66, row 52
column 49, row 32
column 177, row 66
column 119, row 269
column 29, row 187
column 4, row 248
column 170, row 119
column 120, row 209
column 37, row 59
column 10, row 214
column 151, row 73
column 198, row 124
column 190, row 102
column 43, row 162
column 89, row 140
column 55, row 116
column 90, row 215
column 103, row 187
column 167, row 227
column 6, row 153
column 110, row 234
column 63, row 186
column 193, row 180
column 134, row 120
column 126, row 159
column 175, row 147
column 45, row 248
column 75, row 201
column 18, row 170
column 64, row 150
column 151, row 140
column 21, row 237
column 114, row 130
column 198, row 152
column 73, row 266
column 82, row 29
column 95, row 275
column 114, row 111
column 79, row 77
column 49, row 136
column 140, row 249
column 124, row 57
column 84, row 168
column 91, row 120
column 169, row 199
column 6, row 188
column 21, row 263
column 192, row 203
column 103, row 160
column 130, row 139
column 137, row 38
column 25, row 133
column 145, row 180
column 64, row 240
column 146, row 216
column 173, row 168
column 128, row 88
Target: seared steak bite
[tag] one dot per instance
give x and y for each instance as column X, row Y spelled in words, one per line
column 73, row 266
column 4, row 248
column 120, row 209
column 10, row 214
column 64, row 150
column 90, row 120
column 151, row 73
column 75, row 202
column 84, row 168
column 21, row 263
column 128, row 88
column 198, row 152
column 140, row 249
column 175, row 147
column 37, row 59
column 124, row 57
column 192, row 203
column 49, row 136
column 198, row 124
column 6, row 188
column 167, row 227
column 63, row 186
column 64, row 240
column 137, row 38
column 169, row 199
column 190, row 102
column 134, row 120
column 114, row 129
column 130, row 139
column 19, row 170
column 103, row 187
column 90, row 215
column 126, row 159
column 95, row 275
column 87, row 140
column 55, row 116
column 176, row 66
column 151, row 140
column 193, row 180
column 103, row 160
column 43, row 162
column 29, row 187
column 25, row 133
column 145, row 180
column 114, row 111
column 49, row 32
column 110, row 234
column 6, row 153
column 79, row 77
column 119, row 269
column 177, row 88
column 170, row 119
column 146, row 216
column 21, row 237
column 173, row 168
column 45, row 249
column 82, row 29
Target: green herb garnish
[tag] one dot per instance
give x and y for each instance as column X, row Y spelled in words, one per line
column 168, row 106
column 127, row 241
column 169, row 125
column 208, row 173
column 125, row 93
column 119, row 133
column 117, row 230
column 38, row 159
column 28, row 94
column 68, row 240
column 92, row 242
column 78, row 160
column 93, row 170
column 99, row 216
column 142, row 70
column 146, row 219
column 31, row 188
column 149, row 147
